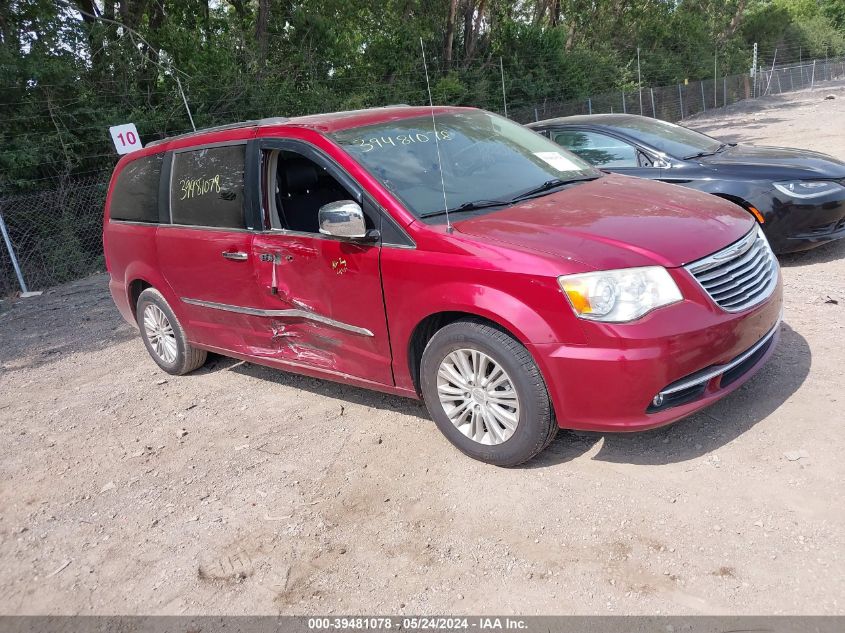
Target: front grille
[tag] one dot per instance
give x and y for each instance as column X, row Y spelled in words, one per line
column 739, row 276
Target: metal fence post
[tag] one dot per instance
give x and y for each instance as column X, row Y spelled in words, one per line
column 653, row 110
column 813, row 78
column 703, row 103
column 12, row 255
column 589, row 105
column 624, row 107
column 725, row 91
column 681, row 100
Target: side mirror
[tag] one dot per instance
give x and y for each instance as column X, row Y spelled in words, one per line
column 343, row 218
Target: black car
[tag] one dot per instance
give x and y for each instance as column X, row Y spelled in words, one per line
column 797, row 196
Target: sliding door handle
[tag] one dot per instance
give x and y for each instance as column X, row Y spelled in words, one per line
column 237, row 256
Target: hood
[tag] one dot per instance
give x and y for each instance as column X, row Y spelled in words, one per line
column 780, row 161
column 617, row 222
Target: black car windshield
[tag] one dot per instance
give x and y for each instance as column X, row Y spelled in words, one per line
column 668, row 138
column 485, row 159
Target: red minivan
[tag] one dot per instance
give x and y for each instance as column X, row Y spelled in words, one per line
column 446, row 254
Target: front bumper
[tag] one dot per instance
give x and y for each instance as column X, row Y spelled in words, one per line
column 611, row 384
column 792, row 226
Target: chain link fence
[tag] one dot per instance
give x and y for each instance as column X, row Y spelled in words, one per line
column 677, row 102
column 56, row 232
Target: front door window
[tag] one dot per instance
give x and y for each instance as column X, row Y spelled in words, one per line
column 298, row 188
column 600, row 150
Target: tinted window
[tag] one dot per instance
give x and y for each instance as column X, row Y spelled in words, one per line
column 207, row 187
column 668, row 138
column 598, row 149
column 135, row 194
column 483, row 157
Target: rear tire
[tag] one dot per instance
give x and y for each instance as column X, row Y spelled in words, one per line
column 164, row 337
column 486, row 394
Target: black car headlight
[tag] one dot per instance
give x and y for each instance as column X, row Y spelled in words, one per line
column 808, row 188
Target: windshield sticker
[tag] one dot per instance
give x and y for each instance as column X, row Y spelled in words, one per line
column 557, row 160
column 386, row 142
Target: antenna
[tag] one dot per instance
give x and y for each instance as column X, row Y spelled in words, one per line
column 132, row 35
column 436, row 140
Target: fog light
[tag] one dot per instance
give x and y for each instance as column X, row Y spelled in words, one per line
column 658, row 400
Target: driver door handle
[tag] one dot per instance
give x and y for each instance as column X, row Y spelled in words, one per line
column 238, row 256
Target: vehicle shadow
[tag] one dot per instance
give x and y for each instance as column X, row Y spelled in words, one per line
column 687, row 439
column 703, row 432
column 823, row 254
column 318, row 387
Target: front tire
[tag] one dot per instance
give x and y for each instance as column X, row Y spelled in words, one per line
column 486, row 394
column 164, row 337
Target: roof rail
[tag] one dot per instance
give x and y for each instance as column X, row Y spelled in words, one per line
column 220, row 128
column 256, row 122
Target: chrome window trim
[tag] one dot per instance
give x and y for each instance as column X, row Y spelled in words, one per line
column 283, row 232
column 330, row 238
column 293, row 313
column 195, row 148
column 206, row 228
column 721, row 369
column 134, row 222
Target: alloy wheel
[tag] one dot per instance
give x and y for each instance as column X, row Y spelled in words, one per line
column 478, row 396
column 160, row 333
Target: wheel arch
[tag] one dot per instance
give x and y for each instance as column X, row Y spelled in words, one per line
column 532, row 313
column 139, row 276
column 431, row 324
column 738, row 200
column 133, row 291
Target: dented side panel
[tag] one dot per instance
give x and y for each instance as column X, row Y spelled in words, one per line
column 324, row 303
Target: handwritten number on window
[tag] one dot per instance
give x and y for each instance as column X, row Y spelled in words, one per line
column 398, row 140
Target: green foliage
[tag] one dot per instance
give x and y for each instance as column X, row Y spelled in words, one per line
column 817, row 35
column 67, row 76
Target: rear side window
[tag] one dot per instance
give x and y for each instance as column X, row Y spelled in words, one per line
column 207, row 187
column 135, row 194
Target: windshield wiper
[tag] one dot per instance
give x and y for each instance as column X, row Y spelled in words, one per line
column 722, row 147
column 486, row 204
column 547, row 186
column 468, row 206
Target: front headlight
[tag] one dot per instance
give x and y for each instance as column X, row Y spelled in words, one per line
column 617, row 296
column 808, row 188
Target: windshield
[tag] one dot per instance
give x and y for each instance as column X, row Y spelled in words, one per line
column 485, row 159
column 669, row 138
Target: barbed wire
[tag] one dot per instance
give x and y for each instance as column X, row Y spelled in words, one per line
column 56, row 227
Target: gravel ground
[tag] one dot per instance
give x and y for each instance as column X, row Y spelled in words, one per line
column 240, row 489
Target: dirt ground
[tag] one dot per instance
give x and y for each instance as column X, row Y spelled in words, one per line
column 240, row 489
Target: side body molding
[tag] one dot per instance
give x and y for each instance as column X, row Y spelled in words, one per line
column 292, row 313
